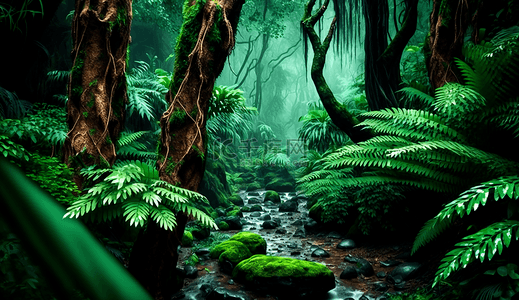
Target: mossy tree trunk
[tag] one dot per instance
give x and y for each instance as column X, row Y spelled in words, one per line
column 449, row 21
column 339, row 114
column 205, row 41
column 97, row 83
column 382, row 60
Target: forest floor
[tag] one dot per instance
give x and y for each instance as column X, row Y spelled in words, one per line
column 288, row 245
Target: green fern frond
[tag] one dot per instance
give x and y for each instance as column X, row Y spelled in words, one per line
column 127, row 138
column 196, row 213
column 483, row 244
column 136, row 211
column 454, row 99
column 415, row 95
column 468, row 201
column 164, row 217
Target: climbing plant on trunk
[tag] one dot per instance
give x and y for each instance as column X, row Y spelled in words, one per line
column 97, row 83
column 205, row 41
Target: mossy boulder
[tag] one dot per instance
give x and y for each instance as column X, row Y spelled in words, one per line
column 284, row 275
column 236, row 200
column 280, row 185
column 245, row 209
column 199, row 232
column 255, row 242
column 272, row 196
column 253, row 186
column 223, row 225
column 187, row 239
column 215, row 185
column 235, row 211
column 229, row 254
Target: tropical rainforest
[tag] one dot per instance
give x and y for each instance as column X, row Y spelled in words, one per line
column 259, row 149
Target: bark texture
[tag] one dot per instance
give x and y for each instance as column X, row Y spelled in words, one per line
column 97, row 84
column 339, row 114
column 205, row 41
column 449, row 21
column 382, row 60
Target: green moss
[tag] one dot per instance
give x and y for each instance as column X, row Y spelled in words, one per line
column 85, row 114
column 108, row 140
column 223, row 225
column 272, row 196
column 245, row 209
column 103, row 162
column 192, row 260
column 92, row 131
column 254, row 242
column 232, row 251
column 265, row 266
column 198, row 152
column 177, row 117
column 187, row 239
column 92, row 83
column 194, row 112
column 236, row 200
column 91, row 103
column 235, row 212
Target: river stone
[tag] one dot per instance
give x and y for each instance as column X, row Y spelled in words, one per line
column 202, row 252
column 253, row 194
column 269, row 203
column 269, row 224
column 255, row 214
column 265, row 218
column 349, row 273
column 272, row 196
column 281, row 231
column 233, row 222
column 311, row 225
column 381, row 274
column 222, row 293
column 406, row 271
column 319, row 252
column 346, row 244
column 399, row 286
column 297, row 223
column 300, row 232
column 191, row 271
column 254, row 201
column 380, row 286
column 285, row 276
column 256, row 207
column 363, row 266
column 288, row 206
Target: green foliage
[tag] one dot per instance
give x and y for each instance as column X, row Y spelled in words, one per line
column 12, row 150
column 187, row 239
column 44, row 125
column 320, row 132
column 133, row 190
column 417, row 295
column 135, row 145
column 192, row 260
column 214, row 239
column 16, row 14
column 11, row 107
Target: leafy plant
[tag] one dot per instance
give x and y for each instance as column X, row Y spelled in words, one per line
column 133, row 190
column 130, row 146
column 11, row 107
column 319, row 131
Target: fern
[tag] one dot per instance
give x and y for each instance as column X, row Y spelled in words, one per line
column 483, row 244
column 320, row 132
column 468, row 201
column 132, row 190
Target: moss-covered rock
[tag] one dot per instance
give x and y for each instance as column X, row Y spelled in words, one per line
column 199, row 232
column 187, row 239
column 232, row 251
column 284, row 275
column 272, row 196
column 255, row 242
column 253, row 186
column 236, row 200
column 245, row 209
column 223, row 225
column 280, row 185
column 236, row 211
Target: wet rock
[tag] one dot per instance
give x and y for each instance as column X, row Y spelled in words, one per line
column 319, row 252
column 236, row 200
column 381, row 274
column 288, row 206
column 300, row 232
column 253, row 194
column 364, row 297
column 311, row 225
column 285, row 276
column 334, row 235
column 265, row 218
column 295, row 253
column 269, row 203
column 191, row 272
column 221, row 293
column 363, row 266
column 382, row 297
column 297, row 223
column 346, row 244
column 255, row 214
column 207, row 287
column 380, row 286
column 202, row 252
column 233, row 222
column 281, row 231
column 349, row 273
column 269, row 224
column 390, row 263
column 253, row 241
column 245, row 209
column 254, row 201
column 221, row 212
column 394, row 279
column 253, row 186
column 406, row 271
column 272, row 196
column 256, row 207
column 399, row 286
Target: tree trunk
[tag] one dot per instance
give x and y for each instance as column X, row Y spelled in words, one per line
column 337, row 112
column 449, row 21
column 202, row 47
column 382, row 61
column 97, row 84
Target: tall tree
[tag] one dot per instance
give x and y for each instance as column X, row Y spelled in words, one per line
column 205, row 41
column 97, row 84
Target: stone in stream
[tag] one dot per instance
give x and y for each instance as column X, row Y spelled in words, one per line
column 254, row 201
column 265, row 218
column 380, row 286
column 319, row 252
column 256, row 207
column 390, row 263
column 253, row 194
column 363, row 266
column 208, row 287
column 255, row 214
column 297, row 223
column 288, row 206
column 349, row 273
column 191, row 272
column 381, row 274
column 334, row 235
column 269, row 203
column 269, row 224
column 281, row 231
column 346, row 244
column 285, row 276
column 300, row 232
column 405, row 271
column 312, row 225
column 272, row 196
column 236, row 200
